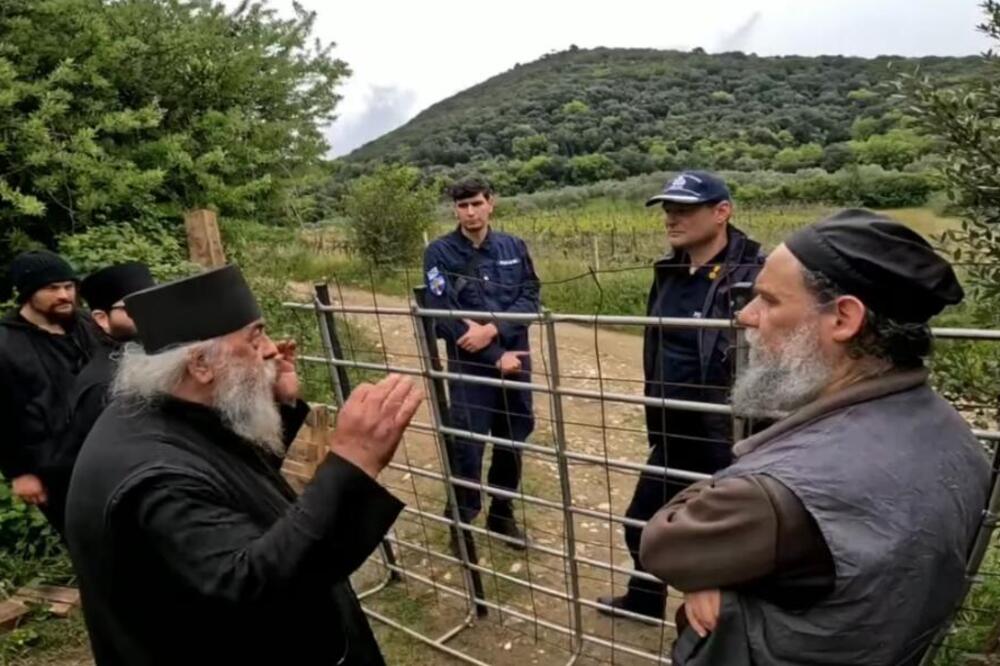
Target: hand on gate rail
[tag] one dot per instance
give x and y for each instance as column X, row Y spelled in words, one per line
column 372, row 421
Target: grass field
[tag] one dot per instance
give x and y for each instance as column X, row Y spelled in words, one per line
column 617, row 242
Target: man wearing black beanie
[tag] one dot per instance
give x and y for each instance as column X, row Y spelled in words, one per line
column 44, row 343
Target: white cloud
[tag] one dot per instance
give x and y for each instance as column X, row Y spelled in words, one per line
column 384, row 108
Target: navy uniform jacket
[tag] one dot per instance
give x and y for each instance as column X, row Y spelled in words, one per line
column 498, row 276
column 743, row 261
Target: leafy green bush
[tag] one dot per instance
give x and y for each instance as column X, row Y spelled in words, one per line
column 155, row 243
column 30, row 550
column 866, row 185
column 150, row 107
column 388, row 212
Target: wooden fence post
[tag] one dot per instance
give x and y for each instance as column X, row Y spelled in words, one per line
column 204, row 241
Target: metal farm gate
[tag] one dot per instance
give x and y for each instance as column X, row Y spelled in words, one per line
column 490, row 604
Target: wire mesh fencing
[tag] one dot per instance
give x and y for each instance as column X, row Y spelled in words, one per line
column 566, row 444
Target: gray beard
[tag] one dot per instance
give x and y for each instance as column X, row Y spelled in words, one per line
column 244, row 396
column 781, row 381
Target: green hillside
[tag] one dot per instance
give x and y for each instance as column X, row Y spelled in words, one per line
column 582, row 116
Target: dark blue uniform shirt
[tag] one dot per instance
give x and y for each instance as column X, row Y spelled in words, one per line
column 679, row 356
column 498, row 276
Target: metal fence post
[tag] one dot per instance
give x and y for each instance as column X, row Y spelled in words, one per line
column 342, row 383
column 559, row 437
column 430, row 360
column 331, row 344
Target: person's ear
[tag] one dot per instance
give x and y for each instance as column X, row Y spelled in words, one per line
column 723, row 211
column 849, row 318
column 102, row 319
column 199, row 368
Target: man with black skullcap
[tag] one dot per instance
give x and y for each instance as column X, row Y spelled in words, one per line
column 189, row 545
column 44, row 343
column 839, row 535
column 104, row 291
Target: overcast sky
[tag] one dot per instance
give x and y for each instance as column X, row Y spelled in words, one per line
column 407, row 55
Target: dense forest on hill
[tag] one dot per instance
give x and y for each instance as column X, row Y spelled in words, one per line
column 582, row 116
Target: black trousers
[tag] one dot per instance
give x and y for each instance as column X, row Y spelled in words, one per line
column 502, row 413
column 57, row 488
column 680, row 440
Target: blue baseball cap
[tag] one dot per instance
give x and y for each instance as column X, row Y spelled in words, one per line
column 693, row 187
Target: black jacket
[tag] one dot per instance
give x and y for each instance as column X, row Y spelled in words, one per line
column 190, row 547
column 37, row 370
column 88, row 398
column 743, row 262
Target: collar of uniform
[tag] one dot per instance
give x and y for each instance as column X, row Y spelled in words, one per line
column 718, row 260
column 863, row 391
column 468, row 243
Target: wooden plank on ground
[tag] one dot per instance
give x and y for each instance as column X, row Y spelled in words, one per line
column 11, row 612
column 60, row 601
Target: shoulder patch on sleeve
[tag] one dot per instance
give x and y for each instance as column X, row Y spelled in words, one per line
column 435, row 281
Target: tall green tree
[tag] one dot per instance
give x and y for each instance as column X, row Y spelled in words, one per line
column 121, row 111
column 966, row 119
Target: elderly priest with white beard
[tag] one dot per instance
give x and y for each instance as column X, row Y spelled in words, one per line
column 839, row 535
column 189, row 545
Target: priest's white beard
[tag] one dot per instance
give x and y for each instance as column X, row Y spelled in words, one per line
column 244, row 396
column 243, row 393
column 782, row 380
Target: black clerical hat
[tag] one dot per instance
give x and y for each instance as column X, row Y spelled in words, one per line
column 201, row 307
column 102, row 289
